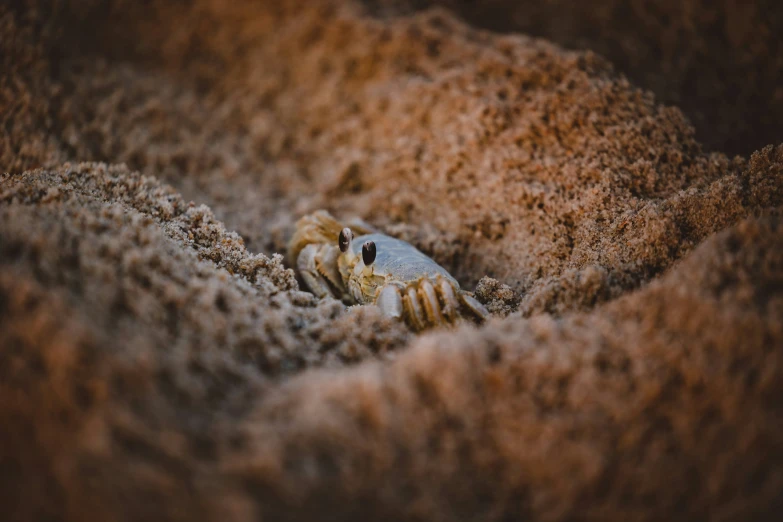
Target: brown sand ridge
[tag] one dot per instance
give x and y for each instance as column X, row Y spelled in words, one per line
column 158, row 360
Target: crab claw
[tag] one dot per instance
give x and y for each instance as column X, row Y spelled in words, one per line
column 390, row 301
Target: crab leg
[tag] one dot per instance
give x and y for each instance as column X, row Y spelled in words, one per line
column 306, row 264
column 430, row 304
column 449, row 297
column 390, row 301
column 430, row 301
column 454, row 297
column 474, row 306
column 393, row 304
column 415, row 313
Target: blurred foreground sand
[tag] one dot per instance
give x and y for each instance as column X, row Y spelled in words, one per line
column 158, row 360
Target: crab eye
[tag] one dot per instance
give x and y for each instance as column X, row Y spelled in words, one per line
column 368, row 253
column 344, row 241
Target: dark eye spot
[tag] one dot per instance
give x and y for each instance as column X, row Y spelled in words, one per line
column 368, row 253
column 344, row 241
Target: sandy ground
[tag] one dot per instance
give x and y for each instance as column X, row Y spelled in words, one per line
column 158, row 359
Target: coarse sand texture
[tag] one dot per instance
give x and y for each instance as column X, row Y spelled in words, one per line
column 609, row 183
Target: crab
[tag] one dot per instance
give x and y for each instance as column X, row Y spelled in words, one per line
column 360, row 265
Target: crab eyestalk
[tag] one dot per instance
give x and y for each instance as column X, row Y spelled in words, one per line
column 344, row 241
column 368, row 253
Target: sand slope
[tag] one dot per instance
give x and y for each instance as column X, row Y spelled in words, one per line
column 159, row 361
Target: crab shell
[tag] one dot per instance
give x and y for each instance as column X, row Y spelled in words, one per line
column 403, row 282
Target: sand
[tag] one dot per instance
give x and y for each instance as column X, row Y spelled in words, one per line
column 160, row 361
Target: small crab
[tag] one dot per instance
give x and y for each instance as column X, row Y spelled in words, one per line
column 362, row 266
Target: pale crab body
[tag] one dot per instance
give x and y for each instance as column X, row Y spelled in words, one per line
column 373, row 268
column 396, row 263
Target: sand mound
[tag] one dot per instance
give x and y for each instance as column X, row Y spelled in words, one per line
column 160, row 362
column 720, row 62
